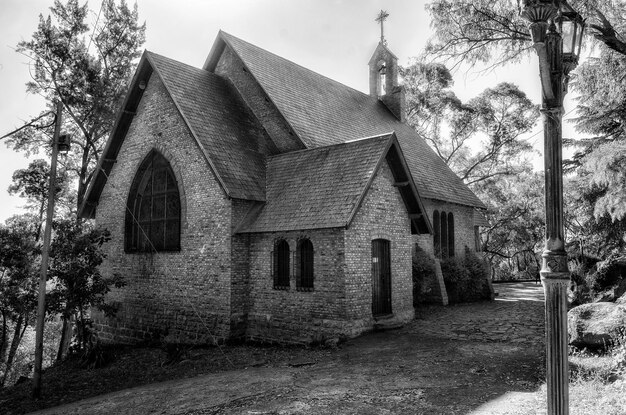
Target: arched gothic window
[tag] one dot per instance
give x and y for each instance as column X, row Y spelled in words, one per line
column 437, row 234
column 304, row 276
column 281, row 265
column 450, row 234
column 444, row 235
column 443, row 238
column 153, row 208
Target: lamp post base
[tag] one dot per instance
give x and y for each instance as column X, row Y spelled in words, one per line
column 555, row 286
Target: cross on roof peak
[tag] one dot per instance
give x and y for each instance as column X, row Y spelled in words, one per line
column 380, row 18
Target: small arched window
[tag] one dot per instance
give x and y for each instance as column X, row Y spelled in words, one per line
column 443, row 238
column 450, row 234
column 281, row 265
column 437, row 234
column 153, row 208
column 304, row 260
column 444, row 235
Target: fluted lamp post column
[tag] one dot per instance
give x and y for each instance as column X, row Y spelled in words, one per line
column 556, row 31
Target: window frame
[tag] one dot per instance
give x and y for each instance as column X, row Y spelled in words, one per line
column 305, row 265
column 443, row 234
column 141, row 233
column 281, row 265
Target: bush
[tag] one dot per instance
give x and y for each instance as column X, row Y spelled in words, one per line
column 610, row 273
column 466, row 278
column 423, row 270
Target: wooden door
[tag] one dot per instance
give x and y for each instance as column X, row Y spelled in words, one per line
column 381, row 277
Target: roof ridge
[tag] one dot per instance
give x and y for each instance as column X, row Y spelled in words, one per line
column 158, row 55
column 221, row 32
column 330, row 146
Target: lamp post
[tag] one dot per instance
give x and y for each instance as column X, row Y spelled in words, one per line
column 556, row 30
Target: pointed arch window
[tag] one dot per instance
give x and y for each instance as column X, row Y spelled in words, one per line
column 443, row 238
column 281, row 265
column 304, row 259
column 153, row 208
column 450, row 234
column 437, row 234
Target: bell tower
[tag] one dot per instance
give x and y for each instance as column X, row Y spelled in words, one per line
column 384, row 75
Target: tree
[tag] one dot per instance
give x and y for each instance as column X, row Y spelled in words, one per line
column 18, row 287
column 479, row 139
column 75, row 255
column 32, row 183
column 484, row 31
column 513, row 240
column 87, row 69
column 493, row 33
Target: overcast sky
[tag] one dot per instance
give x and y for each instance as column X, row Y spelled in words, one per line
column 333, row 37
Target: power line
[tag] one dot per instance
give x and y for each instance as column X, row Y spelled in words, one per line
column 95, row 24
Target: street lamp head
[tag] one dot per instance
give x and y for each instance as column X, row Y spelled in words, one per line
column 571, row 26
column 539, row 13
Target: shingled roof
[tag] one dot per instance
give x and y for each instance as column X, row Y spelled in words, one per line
column 230, row 138
column 324, row 112
column 324, row 187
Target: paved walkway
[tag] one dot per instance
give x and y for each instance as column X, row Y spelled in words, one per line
column 515, row 316
column 480, row 358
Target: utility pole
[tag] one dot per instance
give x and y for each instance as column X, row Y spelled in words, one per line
column 41, row 305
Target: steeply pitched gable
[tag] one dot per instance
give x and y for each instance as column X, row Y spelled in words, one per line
column 324, row 187
column 324, row 112
column 232, row 141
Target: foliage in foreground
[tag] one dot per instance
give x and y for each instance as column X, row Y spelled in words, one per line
column 466, row 278
column 87, row 69
column 76, row 254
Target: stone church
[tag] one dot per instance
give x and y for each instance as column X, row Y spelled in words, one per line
column 255, row 199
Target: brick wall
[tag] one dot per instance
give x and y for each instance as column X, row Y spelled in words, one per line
column 240, row 272
column 381, row 215
column 297, row 316
column 185, row 294
column 463, row 226
column 341, row 303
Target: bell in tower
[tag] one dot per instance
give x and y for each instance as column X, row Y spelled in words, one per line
column 384, row 75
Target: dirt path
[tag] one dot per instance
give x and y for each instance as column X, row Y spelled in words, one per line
column 469, row 359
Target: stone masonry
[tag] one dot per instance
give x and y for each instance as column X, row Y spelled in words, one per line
column 183, row 295
column 341, row 303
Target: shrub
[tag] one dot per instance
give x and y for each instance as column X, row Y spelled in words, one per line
column 610, row 273
column 423, row 270
column 466, row 278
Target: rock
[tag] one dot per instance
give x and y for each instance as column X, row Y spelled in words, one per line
column 621, row 300
column 613, row 293
column 595, row 325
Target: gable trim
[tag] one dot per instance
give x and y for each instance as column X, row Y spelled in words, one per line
column 111, row 149
column 145, row 69
column 419, row 220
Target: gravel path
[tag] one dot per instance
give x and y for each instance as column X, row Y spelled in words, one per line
column 482, row 358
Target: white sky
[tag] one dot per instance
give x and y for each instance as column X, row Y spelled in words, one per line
column 333, row 37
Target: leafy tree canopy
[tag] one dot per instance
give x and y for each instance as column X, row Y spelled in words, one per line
column 493, row 32
column 87, row 68
column 478, row 139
